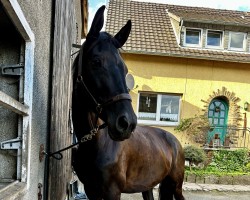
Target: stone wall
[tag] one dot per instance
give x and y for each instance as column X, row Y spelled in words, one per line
column 218, row 179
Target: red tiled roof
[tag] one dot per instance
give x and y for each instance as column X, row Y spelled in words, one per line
column 211, row 15
column 152, row 31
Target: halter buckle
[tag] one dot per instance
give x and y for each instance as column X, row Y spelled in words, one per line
column 79, row 78
column 99, row 108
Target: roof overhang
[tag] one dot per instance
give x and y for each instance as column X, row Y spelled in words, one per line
column 168, row 54
column 215, row 22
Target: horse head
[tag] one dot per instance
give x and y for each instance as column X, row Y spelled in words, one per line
column 103, row 72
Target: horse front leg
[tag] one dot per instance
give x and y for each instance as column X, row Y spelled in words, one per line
column 112, row 192
column 112, row 197
column 148, row 195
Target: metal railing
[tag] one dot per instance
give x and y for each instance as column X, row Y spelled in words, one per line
column 236, row 137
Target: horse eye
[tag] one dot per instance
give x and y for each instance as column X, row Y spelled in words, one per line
column 96, row 62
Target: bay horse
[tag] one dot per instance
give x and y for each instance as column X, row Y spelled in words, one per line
column 117, row 156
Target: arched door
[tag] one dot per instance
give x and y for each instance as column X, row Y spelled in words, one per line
column 217, row 115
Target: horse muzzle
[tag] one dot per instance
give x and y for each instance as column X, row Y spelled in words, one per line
column 124, row 127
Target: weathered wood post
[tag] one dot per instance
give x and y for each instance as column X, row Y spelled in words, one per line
column 60, row 170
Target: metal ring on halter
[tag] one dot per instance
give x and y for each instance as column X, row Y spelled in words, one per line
column 99, row 108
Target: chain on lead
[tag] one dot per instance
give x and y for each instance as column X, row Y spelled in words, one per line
column 89, row 136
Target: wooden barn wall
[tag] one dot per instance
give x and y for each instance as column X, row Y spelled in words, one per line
column 60, row 171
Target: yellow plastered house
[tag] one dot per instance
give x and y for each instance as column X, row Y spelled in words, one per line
column 187, row 61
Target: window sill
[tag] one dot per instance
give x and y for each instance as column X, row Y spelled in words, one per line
column 155, row 123
column 192, row 46
column 13, row 191
column 237, row 49
column 214, row 47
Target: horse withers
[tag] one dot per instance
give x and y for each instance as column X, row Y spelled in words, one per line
column 120, row 156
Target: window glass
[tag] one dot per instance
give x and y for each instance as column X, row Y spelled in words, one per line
column 214, row 38
column 215, row 121
column 169, row 108
column 158, row 109
column 222, row 107
column 210, row 114
column 216, row 114
column 211, row 106
column 193, row 36
column 147, row 106
column 217, row 103
column 237, row 40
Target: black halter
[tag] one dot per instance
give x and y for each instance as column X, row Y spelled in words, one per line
column 98, row 106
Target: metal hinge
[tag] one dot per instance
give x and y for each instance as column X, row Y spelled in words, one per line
column 78, row 46
column 15, row 69
column 39, row 194
column 12, row 144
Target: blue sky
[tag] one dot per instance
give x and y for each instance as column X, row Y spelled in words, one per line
column 242, row 5
column 93, row 6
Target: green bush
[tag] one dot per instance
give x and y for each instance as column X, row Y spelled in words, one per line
column 195, row 128
column 248, row 167
column 194, row 154
column 230, row 161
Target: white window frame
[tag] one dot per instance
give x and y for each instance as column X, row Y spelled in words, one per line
column 24, row 109
column 200, row 37
column 221, row 39
column 158, row 109
column 244, row 41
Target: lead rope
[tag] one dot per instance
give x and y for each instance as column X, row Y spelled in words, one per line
column 58, row 155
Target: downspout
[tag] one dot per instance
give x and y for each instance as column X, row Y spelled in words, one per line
column 245, row 128
column 46, row 162
column 181, row 24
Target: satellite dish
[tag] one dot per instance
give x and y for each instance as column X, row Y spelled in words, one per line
column 130, row 81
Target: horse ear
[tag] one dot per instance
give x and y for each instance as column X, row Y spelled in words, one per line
column 97, row 23
column 122, row 36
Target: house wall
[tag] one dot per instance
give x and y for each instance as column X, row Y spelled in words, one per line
column 197, row 80
column 39, row 15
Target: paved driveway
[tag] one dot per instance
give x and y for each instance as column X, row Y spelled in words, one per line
column 199, row 195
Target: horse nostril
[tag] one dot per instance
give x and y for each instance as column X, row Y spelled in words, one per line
column 123, row 123
column 132, row 127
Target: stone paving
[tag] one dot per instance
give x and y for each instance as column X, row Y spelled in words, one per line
column 196, row 191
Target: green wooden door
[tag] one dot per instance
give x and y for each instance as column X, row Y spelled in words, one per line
column 217, row 115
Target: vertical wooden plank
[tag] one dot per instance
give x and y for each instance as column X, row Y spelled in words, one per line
column 60, row 137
